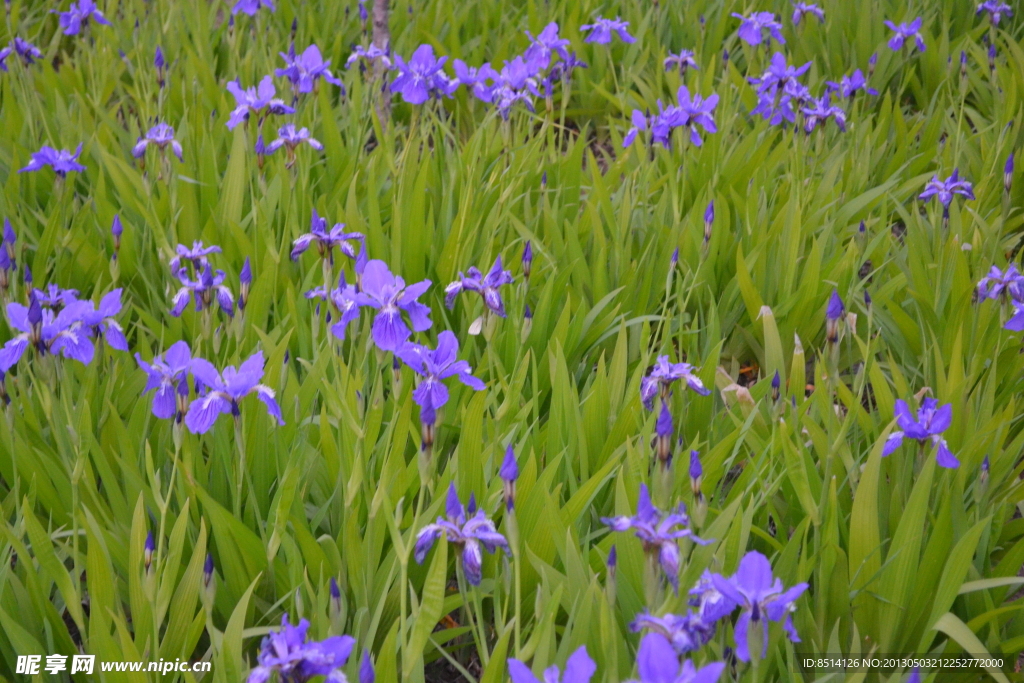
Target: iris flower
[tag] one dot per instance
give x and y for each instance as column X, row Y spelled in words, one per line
column 62, row 161
column 222, row 392
column 435, row 366
column 761, row 597
column 470, row 535
column 931, row 421
column 164, row 374
column 304, row 70
column 752, row 28
column 160, row 135
column 657, row 663
column 579, row 668
column 659, row 531
column 260, row 100
column 295, row 659
column 487, row 286
column 661, row 377
column 904, row 32
column 601, row 31
column 389, row 294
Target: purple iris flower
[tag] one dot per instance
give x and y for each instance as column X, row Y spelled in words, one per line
column 601, row 31
column 995, row 9
column 660, row 126
column 696, row 112
column 196, row 256
column 160, row 135
column 661, row 377
column 223, row 390
column 389, row 295
column 47, row 332
column 202, row 290
column 28, row 52
column 999, row 284
column 435, row 367
column 848, row 85
column 369, row 54
column 62, row 161
column 778, row 89
column 544, row 45
column 296, row 659
column 164, row 374
column 422, row 76
column 710, row 602
column 753, row 27
column 514, row 83
column 251, row 7
column 685, row 59
column 657, row 662
column 55, row 297
column 366, row 673
column 579, row 668
column 344, row 301
column 78, row 16
column 484, row 285
column 821, row 111
column 303, row 70
column 800, row 9
column 658, row 531
column 101, row 320
column 905, row 32
column 945, row 189
column 761, row 596
column 480, row 80
column 259, row 100
column 685, row 633
column 509, row 472
column 931, row 422
column 468, row 534
column 326, row 240
column 290, row 138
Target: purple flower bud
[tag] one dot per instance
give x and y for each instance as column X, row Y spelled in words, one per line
column 867, row 299
column 527, row 259
column 509, row 472
column 544, row 179
column 158, row 59
column 725, row 57
column 992, row 58
column 696, row 471
column 35, row 311
column 208, row 570
column 872, row 61
column 613, row 559
column 28, row 276
column 862, row 228
column 709, row 218
column 116, row 229
column 663, row 441
column 428, row 417
column 833, row 314
column 366, row 673
column 1008, row 173
column 675, row 258
column 527, row 312
column 244, row 282
column 150, row 547
column 963, row 64
column 471, row 505
column 776, row 385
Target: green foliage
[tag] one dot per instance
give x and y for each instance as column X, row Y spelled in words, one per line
column 901, row 555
